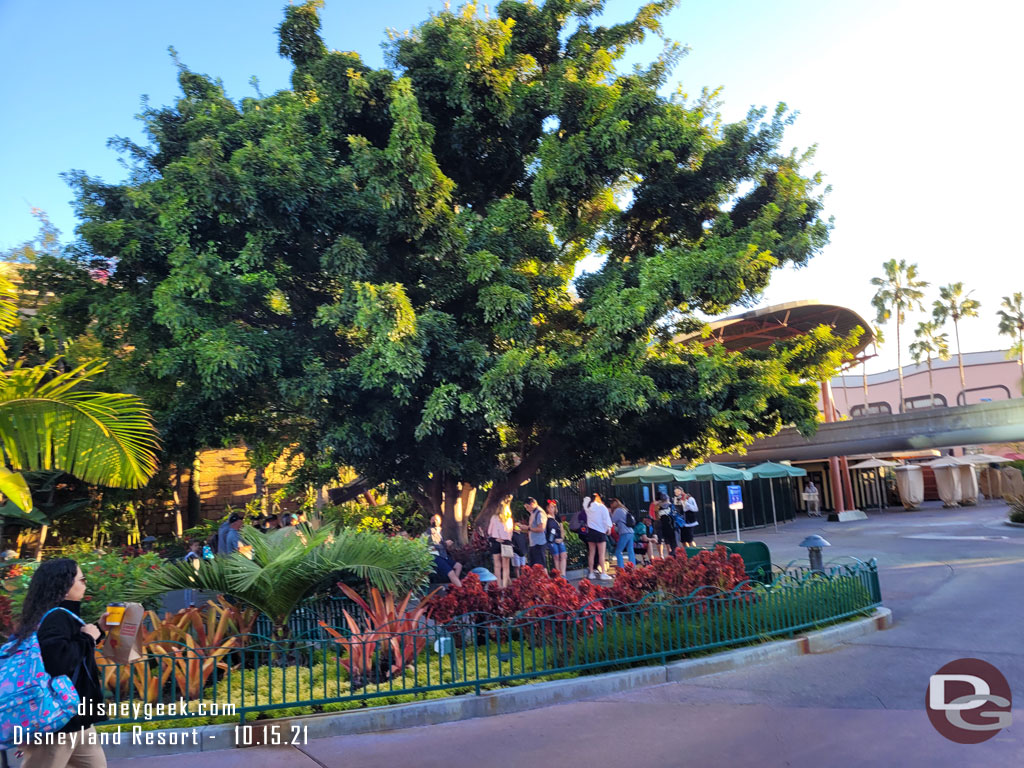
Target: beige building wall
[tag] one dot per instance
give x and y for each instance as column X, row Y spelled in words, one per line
column 989, row 376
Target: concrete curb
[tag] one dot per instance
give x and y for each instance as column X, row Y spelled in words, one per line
column 504, row 701
column 1015, row 525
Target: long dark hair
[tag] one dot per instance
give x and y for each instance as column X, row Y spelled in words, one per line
column 50, row 584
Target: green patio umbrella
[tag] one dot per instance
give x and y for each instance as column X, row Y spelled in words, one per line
column 771, row 470
column 648, row 473
column 712, row 472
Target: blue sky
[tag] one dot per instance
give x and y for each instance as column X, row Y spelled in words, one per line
column 914, row 106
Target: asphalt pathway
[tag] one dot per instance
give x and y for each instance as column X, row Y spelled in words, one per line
column 955, row 582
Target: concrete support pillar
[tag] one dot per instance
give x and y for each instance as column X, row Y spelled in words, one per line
column 842, row 487
column 844, row 467
column 835, row 475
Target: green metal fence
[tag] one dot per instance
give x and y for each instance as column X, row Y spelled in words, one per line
column 474, row 652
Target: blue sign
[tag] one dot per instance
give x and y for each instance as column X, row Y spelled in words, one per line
column 735, row 496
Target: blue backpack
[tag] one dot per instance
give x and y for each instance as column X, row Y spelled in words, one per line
column 29, row 697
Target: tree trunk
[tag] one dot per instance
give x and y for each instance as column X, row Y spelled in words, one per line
column 259, row 478
column 195, row 493
column 179, row 513
column 453, row 499
column 899, row 363
column 960, row 359
column 42, row 540
column 522, row 473
column 457, row 504
column 864, row 372
column 450, row 498
column 931, row 386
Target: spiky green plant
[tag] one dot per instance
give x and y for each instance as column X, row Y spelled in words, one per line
column 288, row 564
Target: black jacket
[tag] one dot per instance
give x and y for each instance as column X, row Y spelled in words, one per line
column 67, row 650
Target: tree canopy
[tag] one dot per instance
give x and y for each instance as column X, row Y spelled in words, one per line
column 378, row 264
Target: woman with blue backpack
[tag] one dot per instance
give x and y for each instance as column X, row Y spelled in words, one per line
column 51, row 615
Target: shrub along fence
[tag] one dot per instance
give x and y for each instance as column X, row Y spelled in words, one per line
column 470, row 653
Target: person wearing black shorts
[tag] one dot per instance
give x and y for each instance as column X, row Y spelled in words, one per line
column 666, row 523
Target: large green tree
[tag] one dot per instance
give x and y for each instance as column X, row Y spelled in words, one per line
column 385, row 258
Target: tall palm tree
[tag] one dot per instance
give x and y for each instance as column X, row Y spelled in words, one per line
column 1011, row 323
column 929, row 342
column 953, row 304
column 287, row 565
column 877, row 342
column 898, row 291
column 48, row 423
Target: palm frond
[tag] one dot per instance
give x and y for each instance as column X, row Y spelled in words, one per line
column 8, row 314
column 287, row 565
column 100, row 437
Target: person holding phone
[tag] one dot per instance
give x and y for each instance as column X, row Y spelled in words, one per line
column 499, row 532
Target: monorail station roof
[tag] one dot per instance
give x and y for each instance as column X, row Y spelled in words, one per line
column 760, row 328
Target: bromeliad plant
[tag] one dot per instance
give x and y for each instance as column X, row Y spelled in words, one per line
column 287, row 565
column 391, row 638
column 189, row 644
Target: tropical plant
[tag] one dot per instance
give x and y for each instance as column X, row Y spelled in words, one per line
column 48, row 423
column 953, row 304
column 899, row 291
column 392, row 636
column 1011, row 323
column 286, row 565
column 929, row 342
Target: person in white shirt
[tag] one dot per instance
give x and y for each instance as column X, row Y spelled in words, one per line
column 499, row 531
column 690, row 510
column 599, row 525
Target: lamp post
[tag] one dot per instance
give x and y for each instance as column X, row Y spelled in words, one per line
column 814, row 543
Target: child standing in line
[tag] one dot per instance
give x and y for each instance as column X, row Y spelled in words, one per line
column 520, row 548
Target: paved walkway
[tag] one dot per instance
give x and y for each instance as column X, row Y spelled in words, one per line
column 954, row 581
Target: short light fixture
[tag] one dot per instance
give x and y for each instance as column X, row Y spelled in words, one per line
column 814, row 543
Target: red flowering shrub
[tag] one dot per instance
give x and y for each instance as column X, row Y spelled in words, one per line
column 536, row 593
column 471, row 598
column 679, row 575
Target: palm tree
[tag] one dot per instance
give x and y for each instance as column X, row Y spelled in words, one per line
column 877, row 341
column 929, row 342
column 953, row 304
column 48, row 423
column 1011, row 323
column 287, row 565
column 898, row 291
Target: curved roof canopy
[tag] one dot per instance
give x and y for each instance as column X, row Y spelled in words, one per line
column 760, row 328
